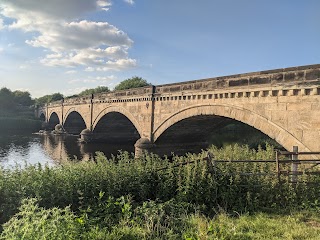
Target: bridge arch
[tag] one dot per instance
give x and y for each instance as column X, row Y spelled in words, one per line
column 116, row 125
column 274, row 131
column 53, row 120
column 74, row 122
column 42, row 117
column 121, row 110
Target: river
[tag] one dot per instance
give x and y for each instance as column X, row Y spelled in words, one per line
column 22, row 149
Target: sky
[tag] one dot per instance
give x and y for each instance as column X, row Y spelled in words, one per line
column 70, row 45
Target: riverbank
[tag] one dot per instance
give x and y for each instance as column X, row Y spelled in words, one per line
column 152, row 198
column 16, row 124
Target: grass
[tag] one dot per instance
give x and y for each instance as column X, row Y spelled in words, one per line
column 127, row 198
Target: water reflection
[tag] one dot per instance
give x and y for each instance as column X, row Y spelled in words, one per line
column 69, row 147
column 50, row 149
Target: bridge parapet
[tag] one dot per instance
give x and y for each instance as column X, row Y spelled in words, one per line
column 130, row 94
column 278, row 77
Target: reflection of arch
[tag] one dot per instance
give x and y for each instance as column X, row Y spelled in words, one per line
column 281, row 135
column 121, row 110
column 74, row 123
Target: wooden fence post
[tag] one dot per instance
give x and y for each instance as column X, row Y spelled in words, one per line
column 294, row 165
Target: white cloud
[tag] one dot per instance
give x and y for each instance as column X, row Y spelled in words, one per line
column 50, row 10
column 71, row 72
column 118, row 65
column 80, row 35
column 70, row 43
column 99, row 79
column 1, row 50
column 131, row 2
column 1, row 24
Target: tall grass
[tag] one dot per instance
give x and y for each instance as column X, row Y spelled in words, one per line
column 150, row 197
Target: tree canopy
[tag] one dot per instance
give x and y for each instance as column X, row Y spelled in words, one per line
column 133, row 82
column 9, row 99
column 98, row 89
column 48, row 98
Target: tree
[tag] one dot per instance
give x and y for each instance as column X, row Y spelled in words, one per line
column 98, row 89
column 6, row 99
column 23, row 98
column 41, row 101
column 133, row 82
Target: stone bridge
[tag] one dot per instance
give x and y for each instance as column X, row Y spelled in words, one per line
column 281, row 103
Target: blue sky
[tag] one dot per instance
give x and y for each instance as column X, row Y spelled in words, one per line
column 70, row 45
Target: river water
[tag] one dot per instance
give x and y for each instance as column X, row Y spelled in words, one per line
column 22, row 149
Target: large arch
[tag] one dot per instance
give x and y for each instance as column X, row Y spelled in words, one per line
column 115, row 128
column 274, row 131
column 121, row 110
column 53, row 120
column 74, row 123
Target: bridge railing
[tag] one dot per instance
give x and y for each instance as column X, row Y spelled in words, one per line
column 284, row 76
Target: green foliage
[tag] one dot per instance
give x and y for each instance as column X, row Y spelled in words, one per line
column 41, row 101
column 134, row 82
column 98, row 89
column 16, row 110
column 154, row 198
column 10, row 124
column 23, row 98
column 6, row 98
column 34, row 222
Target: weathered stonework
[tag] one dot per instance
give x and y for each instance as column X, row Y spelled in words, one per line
column 282, row 103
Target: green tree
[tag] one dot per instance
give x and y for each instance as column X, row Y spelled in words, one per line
column 6, row 99
column 23, row 98
column 98, row 89
column 133, row 82
column 48, row 98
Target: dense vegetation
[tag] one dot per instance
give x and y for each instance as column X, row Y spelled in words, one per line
column 41, row 101
column 153, row 198
column 17, row 112
column 90, row 91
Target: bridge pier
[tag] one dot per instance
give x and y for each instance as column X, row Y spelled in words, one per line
column 86, row 135
column 142, row 146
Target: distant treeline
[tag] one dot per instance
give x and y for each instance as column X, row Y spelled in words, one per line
column 10, row 101
column 133, row 82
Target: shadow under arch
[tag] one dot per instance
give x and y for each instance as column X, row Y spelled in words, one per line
column 271, row 129
column 121, row 110
column 74, row 123
column 42, row 117
column 53, row 120
column 115, row 128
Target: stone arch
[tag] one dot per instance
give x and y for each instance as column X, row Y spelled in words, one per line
column 42, row 117
column 115, row 127
column 51, row 114
column 53, row 120
column 274, row 131
column 121, row 110
column 74, row 123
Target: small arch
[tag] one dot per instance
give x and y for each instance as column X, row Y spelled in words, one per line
column 53, row 120
column 42, row 117
column 115, row 128
column 274, row 131
column 121, row 110
column 74, row 123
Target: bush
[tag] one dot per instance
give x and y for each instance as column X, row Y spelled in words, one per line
column 34, row 222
